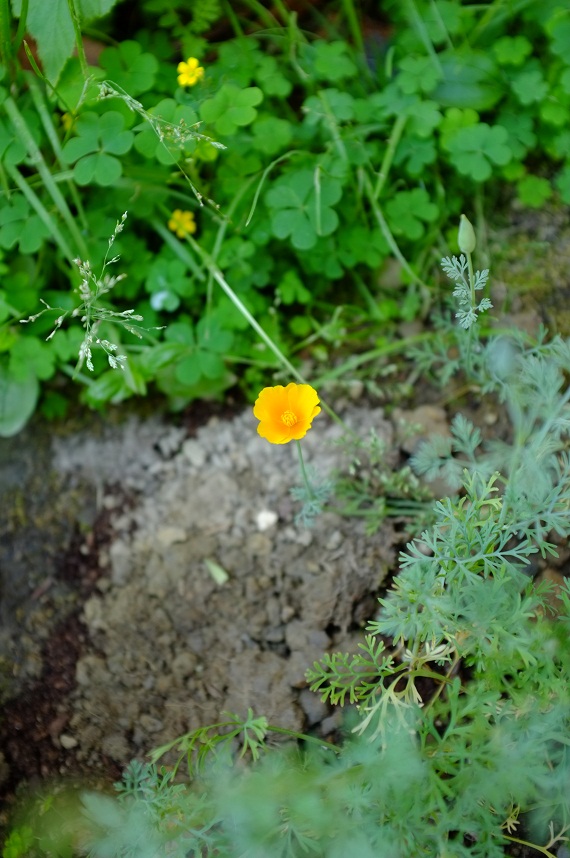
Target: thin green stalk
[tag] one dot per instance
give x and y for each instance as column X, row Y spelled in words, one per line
column 284, row 11
column 240, row 306
column 417, row 23
column 391, row 147
column 234, row 21
column 372, row 355
column 178, row 249
column 353, row 22
column 39, row 74
column 20, row 32
column 53, row 137
column 37, row 159
column 308, row 487
column 264, row 14
column 471, row 275
column 6, row 49
column 386, row 232
column 40, row 210
column 78, row 39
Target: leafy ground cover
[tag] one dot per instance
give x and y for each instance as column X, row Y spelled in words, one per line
column 195, row 209
column 300, row 163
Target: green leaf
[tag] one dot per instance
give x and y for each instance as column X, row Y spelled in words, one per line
column 19, row 226
column 231, row 108
column 211, row 364
column 99, row 139
column 51, row 26
column 529, row 86
column 188, row 370
column 418, row 74
column 407, row 211
column 521, row 132
column 329, row 106
column 210, row 335
column 291, row 289
column 271, row 134
column 331, row 62
column 424, row 117
column 558, row 28
column 31, row 356
column 180, row 332
column 512, row 50
column 415, row 154
column 18, row 399
column 169, row 116
column 99, row 168
column 269, row 75
column 301, row 204
column 533, row 191
column 470, row 79
column 129, row 67
column 473, row 150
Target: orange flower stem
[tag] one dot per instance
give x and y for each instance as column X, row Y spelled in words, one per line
column 310, row 492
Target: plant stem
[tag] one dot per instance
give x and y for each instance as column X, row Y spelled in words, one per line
column 473, row 302
column 353, row 24
column 37, row 160
column 78, row 39
column 308, row 487
column 386, row 232
column 393, row 141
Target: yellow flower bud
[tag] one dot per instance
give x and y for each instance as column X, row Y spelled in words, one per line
column 466, row 236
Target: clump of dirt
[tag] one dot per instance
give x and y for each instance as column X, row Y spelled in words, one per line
column 193, row 591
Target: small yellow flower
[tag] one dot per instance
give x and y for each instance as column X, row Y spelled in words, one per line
column 189, row 72
column 182, row 223
column 286, row 413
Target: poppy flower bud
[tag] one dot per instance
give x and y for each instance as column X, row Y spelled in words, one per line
column 466, row 236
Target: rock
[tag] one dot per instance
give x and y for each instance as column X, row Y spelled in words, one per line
column 67, row 742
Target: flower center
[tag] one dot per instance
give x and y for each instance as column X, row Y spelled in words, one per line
column 288, row 418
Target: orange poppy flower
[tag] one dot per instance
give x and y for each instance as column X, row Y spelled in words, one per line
column 286, row 413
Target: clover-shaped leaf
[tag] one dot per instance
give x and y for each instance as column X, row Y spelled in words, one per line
column 407, row 210
column 301, row 207
column 201, row 349
column 329, row 106
column 415, row 154
column 163, row 135
column 231, row 107
column 418, row 74
column 127, row 66
column 533, row 191
column 359, row 245
column 558, row 28
column 240, row 58
column 470, row 79
column 554, row 110
column 331, row 62
column 520, row 130
column 31, row 356
column 271, row 134
column 167, row 283
column 455, row 118
column 19, row 226
column 99, row 139
column 473, row 150
column 291, row 289
column 271, row 79
column 512, row 50
column 423, row 118
column 529, row 86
